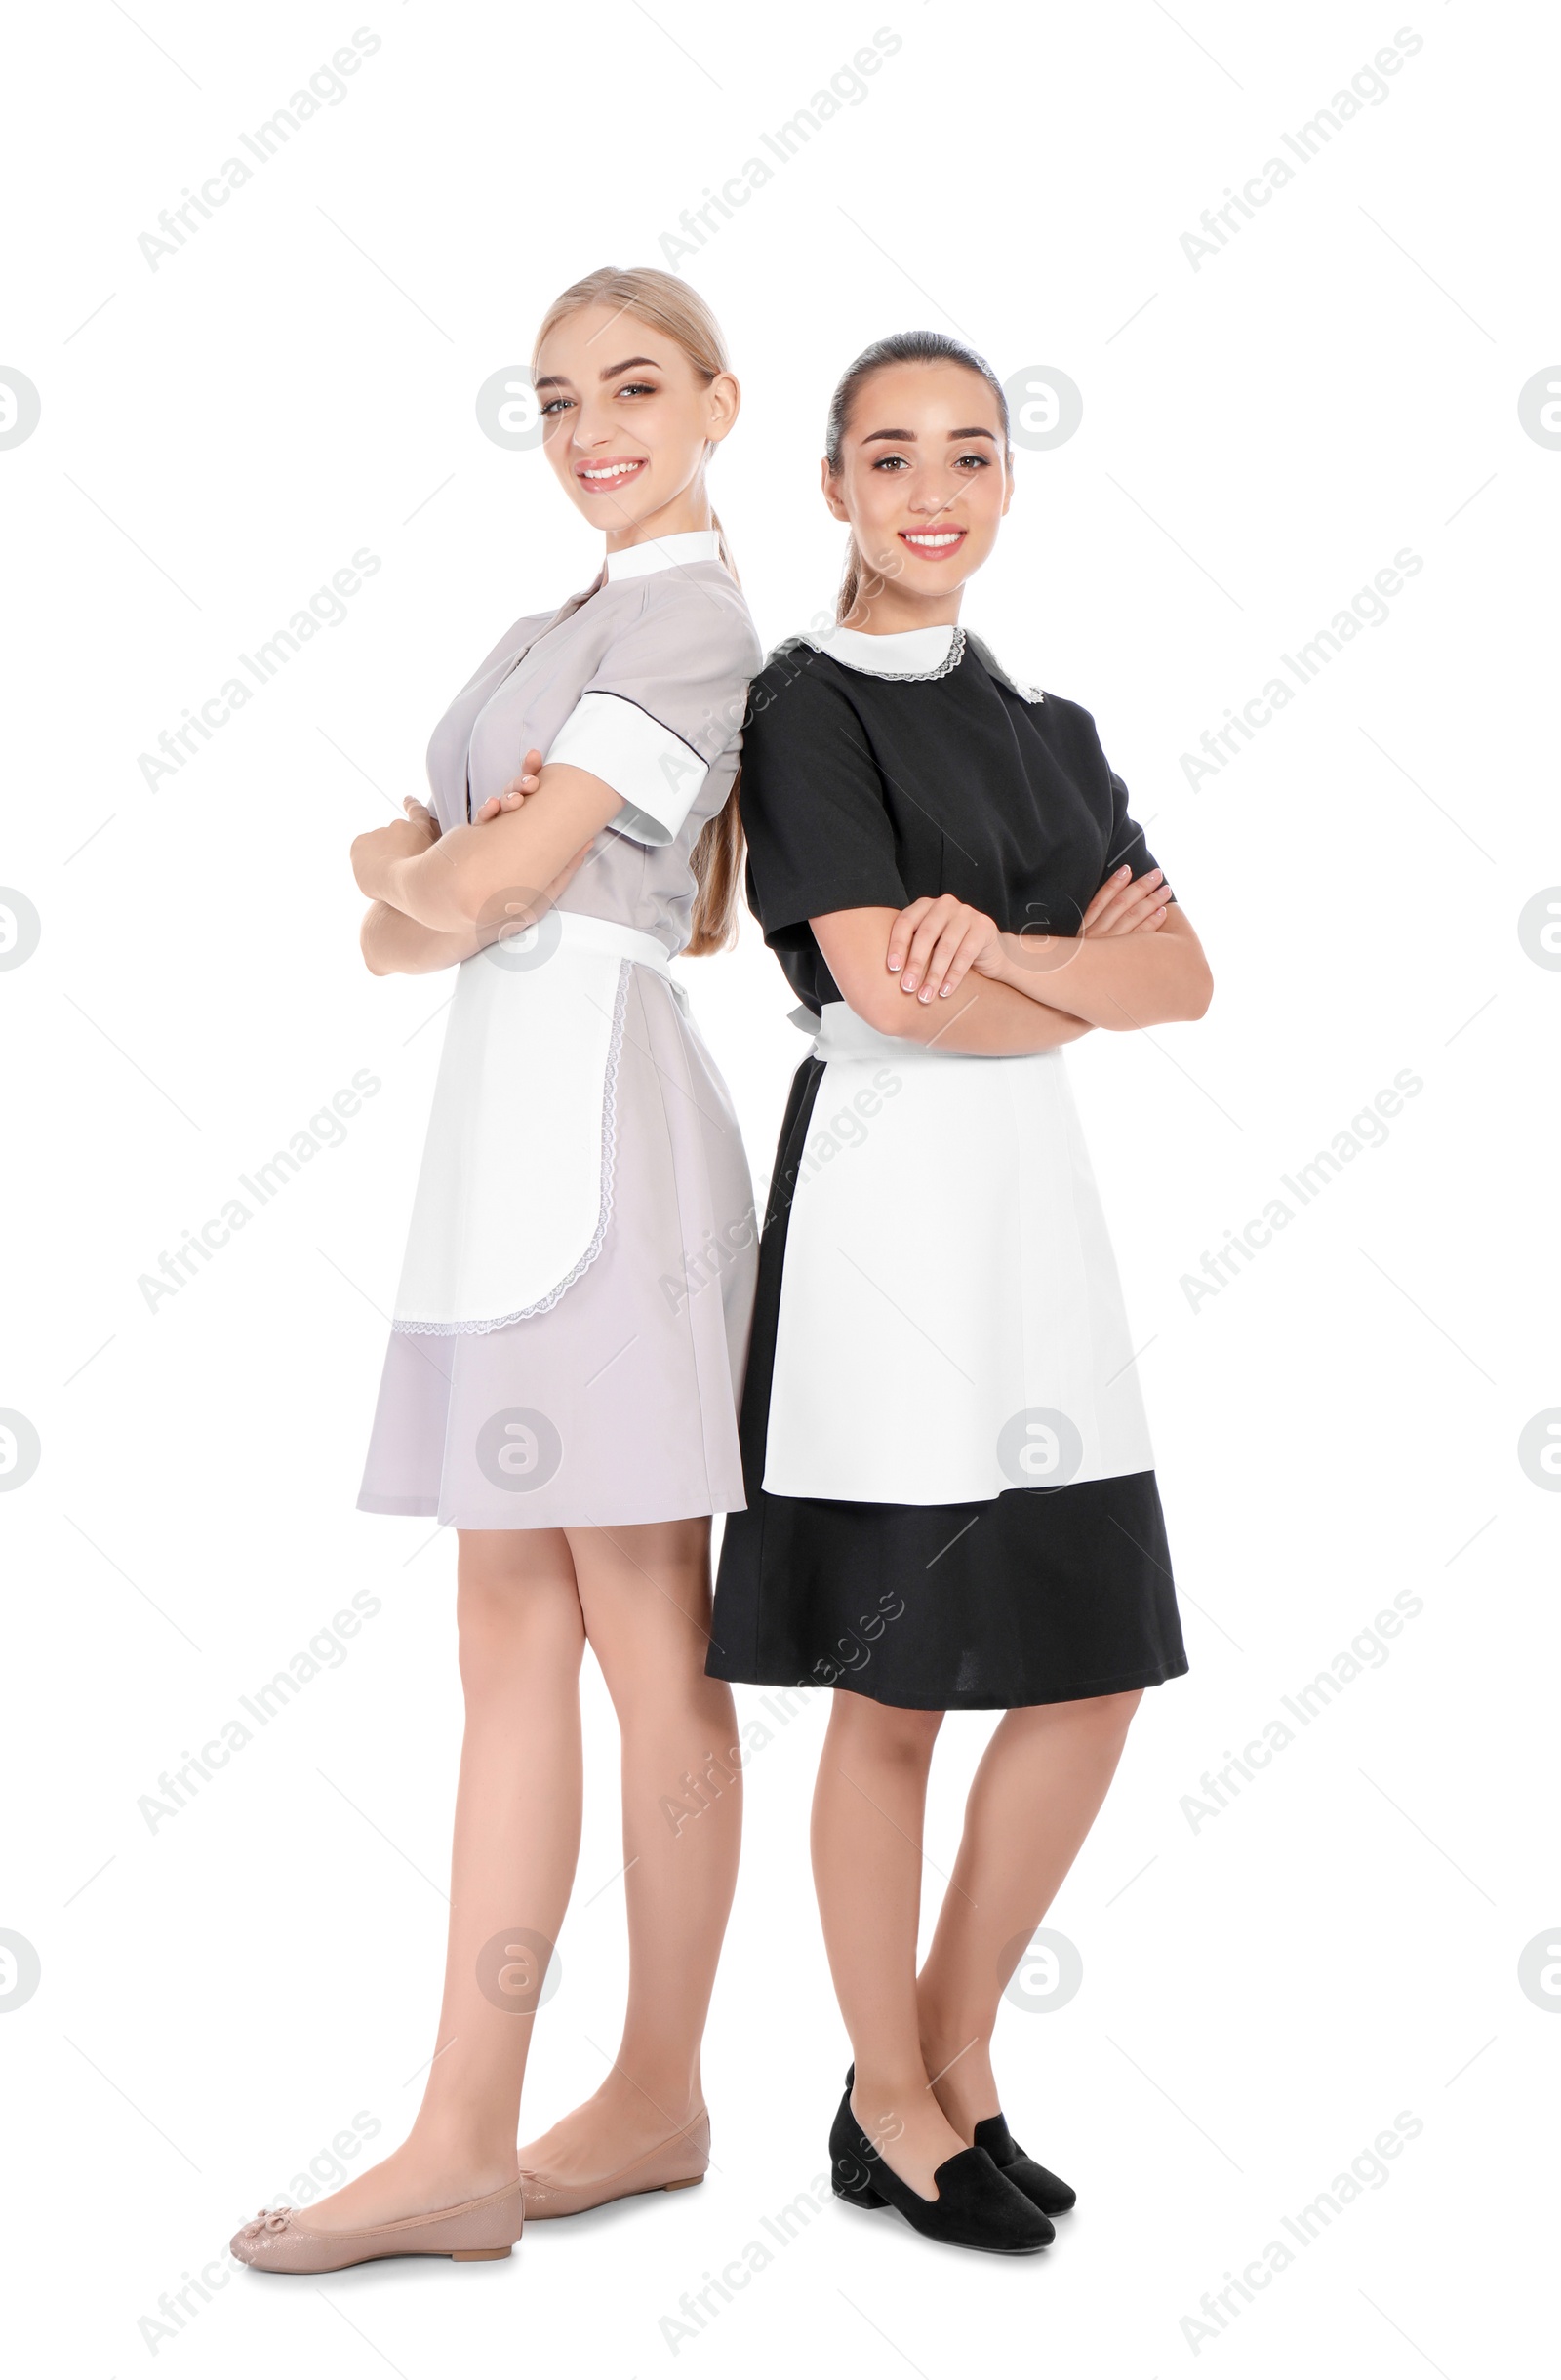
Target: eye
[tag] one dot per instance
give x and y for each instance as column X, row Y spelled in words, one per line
column 892, row 463
column 557, row 405
column 982, row 462
column 637, row 388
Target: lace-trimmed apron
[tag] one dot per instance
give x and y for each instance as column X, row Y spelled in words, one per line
column 516, row 1184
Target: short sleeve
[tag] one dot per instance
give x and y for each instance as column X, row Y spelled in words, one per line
column 1127, row 845
column 666, row 700
column 820, row 838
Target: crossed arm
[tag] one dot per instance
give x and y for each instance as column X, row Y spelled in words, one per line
column 942, row 972
column 438, row 898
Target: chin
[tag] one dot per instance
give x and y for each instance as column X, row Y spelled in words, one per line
column 929, row 577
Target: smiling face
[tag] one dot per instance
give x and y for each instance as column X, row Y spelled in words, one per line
column 630, row 423
column 924, row 481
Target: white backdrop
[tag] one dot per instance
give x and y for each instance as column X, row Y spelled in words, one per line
column 1276, row 1969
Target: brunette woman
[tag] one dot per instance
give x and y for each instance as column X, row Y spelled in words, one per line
column 952, row 1501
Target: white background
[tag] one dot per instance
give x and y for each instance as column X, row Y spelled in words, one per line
column 1263, row 1992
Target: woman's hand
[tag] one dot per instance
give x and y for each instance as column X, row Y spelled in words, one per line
column 514, row 792
column 406, row 838
column 934, row 944
column 470, row 876
column 1126, row 905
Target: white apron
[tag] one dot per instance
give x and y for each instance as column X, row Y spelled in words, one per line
column 516, row 1184
column 951, row 1322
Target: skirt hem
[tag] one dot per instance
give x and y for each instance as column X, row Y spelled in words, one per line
column 425, row 1508
column 1087, row 1690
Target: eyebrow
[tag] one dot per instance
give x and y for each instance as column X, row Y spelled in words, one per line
column 908, row 437
column 561, row 380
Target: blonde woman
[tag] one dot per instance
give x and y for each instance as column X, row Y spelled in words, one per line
column 562, row 1376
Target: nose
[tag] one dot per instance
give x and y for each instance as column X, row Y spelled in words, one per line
column 590, row 430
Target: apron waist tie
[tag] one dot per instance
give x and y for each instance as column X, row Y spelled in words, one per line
column 579, row 932
column 840, row 1033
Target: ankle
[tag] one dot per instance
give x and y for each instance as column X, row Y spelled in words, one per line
column 447, row 2144
column 654, row 2089
column 887, row 2094
column 959, row 2071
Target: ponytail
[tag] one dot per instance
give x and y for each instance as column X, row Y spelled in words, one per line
column 851, row 580
column 716, row 858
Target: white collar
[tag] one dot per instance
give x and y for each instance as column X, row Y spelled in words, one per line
column 910, row 652
column 665, row 553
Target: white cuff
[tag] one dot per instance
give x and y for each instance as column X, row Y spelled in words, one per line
column 658, row 774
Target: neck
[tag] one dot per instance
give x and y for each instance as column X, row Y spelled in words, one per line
column 690, row 508
column 882, row 609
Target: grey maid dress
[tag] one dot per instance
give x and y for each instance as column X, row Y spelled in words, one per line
column 571, row 1324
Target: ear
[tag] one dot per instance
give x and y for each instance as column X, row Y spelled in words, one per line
column 831, row 491
column 1008, row 480
column 723, row 402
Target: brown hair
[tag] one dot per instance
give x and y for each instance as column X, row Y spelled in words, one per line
column 900, row 347
column 671, row 305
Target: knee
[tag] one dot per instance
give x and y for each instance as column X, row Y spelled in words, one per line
column 484, row 1617
column 1108, row 1717
column 1094, row 1726
column 503, row 1617
column 883, row 1732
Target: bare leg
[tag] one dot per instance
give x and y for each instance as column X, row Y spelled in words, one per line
column 516, row 1842
column 867, row 1811
column 646, row 1595
column 1032, row 1801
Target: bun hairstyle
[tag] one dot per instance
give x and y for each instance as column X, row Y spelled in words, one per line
column 901, row 348
column 673, row 306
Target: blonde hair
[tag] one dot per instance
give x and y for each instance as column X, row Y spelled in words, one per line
column 673, row 306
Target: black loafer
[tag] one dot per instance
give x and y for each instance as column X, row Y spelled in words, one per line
column 975, row 2206
column 1044, row 2190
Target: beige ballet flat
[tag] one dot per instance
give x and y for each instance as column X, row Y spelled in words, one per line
column 477, row 2232
column 674, row 2163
